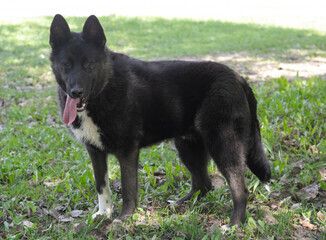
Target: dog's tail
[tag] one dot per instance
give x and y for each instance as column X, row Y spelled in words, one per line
column 256, row 158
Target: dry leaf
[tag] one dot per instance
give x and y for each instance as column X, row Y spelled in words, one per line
column 63, row 218
column 309, row 192
column 322, row 171
column 295, row 170
column 28, row 224
column 297, row 167
column 31, row 182
column 296, row 205
column 290, row 143
column 270, row 220
column 275, row 194
column 301, row 164
column 76, row 213
column 309, row 225
column 160, row 181
column 60, row 208
column 159, row 173
column 274, row 205
column 50, row 183
column 302, row 233
column 321, row 216
column 215, row 225
column 313, row 149
column 78, row 227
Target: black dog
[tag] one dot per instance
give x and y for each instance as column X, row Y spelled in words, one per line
column 116, row 104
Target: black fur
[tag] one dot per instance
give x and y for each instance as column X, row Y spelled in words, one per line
column 206, row 107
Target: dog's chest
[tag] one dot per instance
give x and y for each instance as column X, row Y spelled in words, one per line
column 88, row 131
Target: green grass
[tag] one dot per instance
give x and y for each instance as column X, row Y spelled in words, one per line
column 36, row 149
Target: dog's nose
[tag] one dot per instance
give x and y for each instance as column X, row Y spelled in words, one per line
column 77, row 92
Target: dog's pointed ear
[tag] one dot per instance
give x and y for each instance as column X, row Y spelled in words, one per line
column 93, row 32
column 59, row 31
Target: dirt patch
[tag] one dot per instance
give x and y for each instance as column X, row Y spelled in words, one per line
column 265, row 67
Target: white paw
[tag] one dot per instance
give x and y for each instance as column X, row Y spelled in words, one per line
column 105, row 206
column 107, row 213
column 98, row 213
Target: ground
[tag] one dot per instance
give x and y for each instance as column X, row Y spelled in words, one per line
column 272, row 66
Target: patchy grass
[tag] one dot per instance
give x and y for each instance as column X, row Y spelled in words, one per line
column 47, row 188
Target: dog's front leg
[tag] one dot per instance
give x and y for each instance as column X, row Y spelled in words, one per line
column 129, row 181
column 100, row 167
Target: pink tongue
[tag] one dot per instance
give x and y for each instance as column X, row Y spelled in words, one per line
column 70, row 111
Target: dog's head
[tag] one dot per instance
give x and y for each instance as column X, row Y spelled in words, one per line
column 80, row 62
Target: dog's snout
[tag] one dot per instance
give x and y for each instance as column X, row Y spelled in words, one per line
column 77, row 92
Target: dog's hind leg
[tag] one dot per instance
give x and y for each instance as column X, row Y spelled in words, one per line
column 228, row 152
column 99, row 162
column 195, row 157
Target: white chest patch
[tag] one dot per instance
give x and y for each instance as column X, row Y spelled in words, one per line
column 88, row 132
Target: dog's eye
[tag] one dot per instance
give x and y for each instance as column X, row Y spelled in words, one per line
column 67, row 65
